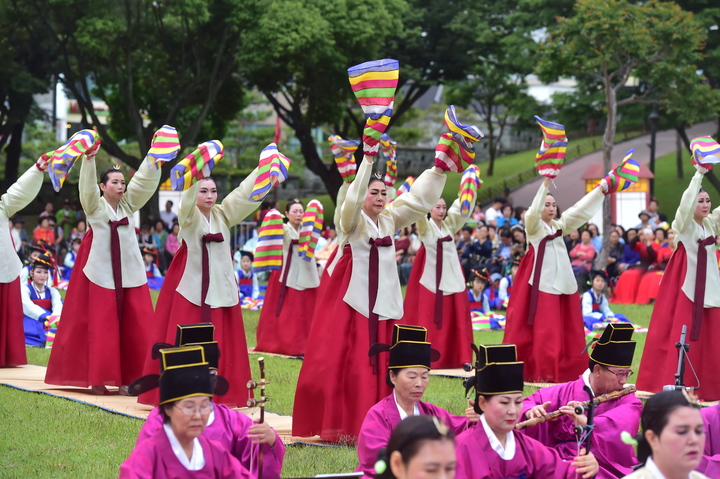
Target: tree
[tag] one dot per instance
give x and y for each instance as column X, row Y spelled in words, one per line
column 606, row 41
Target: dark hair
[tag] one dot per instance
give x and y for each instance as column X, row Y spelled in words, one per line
column 505, row 233
column 105, row 176
column 493, row 227
column 519, row 211
column 469, row 229
column 166, row 418
column 661, row 231
column 592, row 364
column 662, row 217
column 588, row 232
column 655, row 417
column 292, row 203
column 499, row 199
column 373, row 179
column 628, row 231
column 408, row 438
column 654, row 200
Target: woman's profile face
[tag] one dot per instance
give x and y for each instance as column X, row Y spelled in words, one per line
column 434, row 460
column 678, row 448
column 375, row 199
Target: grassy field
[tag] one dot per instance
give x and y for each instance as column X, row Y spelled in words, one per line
column 44, row 436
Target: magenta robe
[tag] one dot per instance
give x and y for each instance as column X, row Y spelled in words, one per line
column 380, row 421
column 230, row 428
column 476, row 459
column 710, row 464
column 154, row 458
column 611, row 418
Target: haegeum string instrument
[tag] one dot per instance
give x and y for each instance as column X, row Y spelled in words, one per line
column 254, row 402
column 611, row 396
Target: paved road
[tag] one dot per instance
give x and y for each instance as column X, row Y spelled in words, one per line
column 569, row 187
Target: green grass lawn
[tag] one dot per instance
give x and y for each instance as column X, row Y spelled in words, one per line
column 44, row 436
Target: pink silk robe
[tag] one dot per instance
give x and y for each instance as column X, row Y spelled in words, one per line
column 710, row 464
column 230, row 429
column 155, row 459
column 611, row 418
column 380, row 421
column 476, row 459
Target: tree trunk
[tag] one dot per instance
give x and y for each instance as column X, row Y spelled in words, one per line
column 679, row 154
column 607, row 147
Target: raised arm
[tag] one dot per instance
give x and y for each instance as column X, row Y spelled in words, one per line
column 187, row 211
column 87, row 186
column 352, row 205
column 533, row 216
column 237, row 205
column 142, row 186
column 581, row 212
column 22, row 192
column 410, row 207
column 454, row 219
column 684, row 216
column 342, row 194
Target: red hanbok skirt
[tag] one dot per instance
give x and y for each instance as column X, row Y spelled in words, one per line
column 626, row 289
column 648, row 287
column 455, row 336
column 93, row 347
column 172, row 309
column 337, row 385
column 287, row 333
column 672, row 310
column 12, row 332
column 551, row 347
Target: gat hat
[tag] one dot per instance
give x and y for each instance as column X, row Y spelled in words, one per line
column 43, row 261
column 201, row 334
column 615, row 348
column 646, row 213
column 410, row 348
column 497, row 370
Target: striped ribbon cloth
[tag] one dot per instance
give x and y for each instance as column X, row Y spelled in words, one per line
column 455, row 150
column 344, row 153
column 374, row 84
column 706, row 152
column 197, row 165
column 269, row 249
column 61, row 161
column 469, row 184
column 164, row 146
column 551, row 155
column 389, row 148
column 272, row 170
column 312, row 223
column 404, row 188
column 624, row 175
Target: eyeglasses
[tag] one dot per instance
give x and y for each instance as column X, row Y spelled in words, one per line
column 625, row 375
column 189, row 410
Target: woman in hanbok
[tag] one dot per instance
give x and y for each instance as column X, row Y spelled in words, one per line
column 408, row 370
column 42, row 305
column 491, row 450
column 289, row 302
column 17, row 197
column 178, row 448
column 673, row 437
column 200, row 285
column 105, row 330
column 689, row 295
column 436, row 296
column 710, row 463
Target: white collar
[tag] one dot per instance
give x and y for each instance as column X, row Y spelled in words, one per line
column 403, row 414
column 439, row 230
column 653, row 469
column 114, row 212
column 375, row 226
column 506, row 453
column 586, row 380
column 196, row 462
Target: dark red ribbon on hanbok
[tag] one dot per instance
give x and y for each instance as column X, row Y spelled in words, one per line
column 438, row 276
column 699, row 297
column 116, row 262
column 283, row 286
column 205, row 284
column 536, row 274
column 373, row 274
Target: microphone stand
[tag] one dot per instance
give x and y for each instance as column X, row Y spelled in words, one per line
column 682, row 347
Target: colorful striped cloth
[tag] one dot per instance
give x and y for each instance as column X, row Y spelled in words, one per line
column 624, row 175
column 389, row 148
column 272, row 170
column 312, row 223
column 197, row 165
column 487, row 322
column 469, row 184
column 61, row 161
column 404, row 188
column 165, row 146
column 706, row 152
column 344, row 153
column 551, row 155
column 455, row 151
column 269, row 249
column 374, row 84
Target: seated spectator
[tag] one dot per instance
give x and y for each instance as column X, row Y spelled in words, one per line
column 630, row 256
column 70, row 257
column 583, row 254
column 597, row 240
column 505, row 286
column 160, row 234
column 502, row 255
column 466, row 247
column 483, row 245
column 492, row 214
column 655, row 220
column 42, row 305
column 615, row 255
column 152, row 271
column 572, row 239
column 507, row 220
column 493, row 237
column 247, row 281
column 172, row 244
column 478, row 291
column 650, row 282
column 627, row 286
column 520, row 215
column 662, row 221
column 145, row 237
column 519, row 240
column 595, row 309
column 79, row 230
column 644, row 216
column 621, row 232
column 167, row 215
column 44, row 231
column 478, row 215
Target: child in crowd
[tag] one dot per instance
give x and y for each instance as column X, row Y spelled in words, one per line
column 506, row 284
column 69, row 262
column 41, row 303
column 477, row 293
column 595, row 308
column 247, row 281
column 152, row 271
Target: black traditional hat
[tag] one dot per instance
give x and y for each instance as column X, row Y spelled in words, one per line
column 149, row 251
column 409, row 349
column 615, row 348
column 40, row 246
column 185, row 373
column 497, row 370
column 43, row 261
column 516, row 260
column 482, row 274
column 201, row 334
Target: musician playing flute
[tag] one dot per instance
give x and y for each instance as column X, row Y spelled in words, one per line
column 609, row 370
